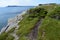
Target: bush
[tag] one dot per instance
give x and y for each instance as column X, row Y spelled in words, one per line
column 55, row 13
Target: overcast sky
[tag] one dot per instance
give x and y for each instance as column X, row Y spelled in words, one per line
column 26, row 2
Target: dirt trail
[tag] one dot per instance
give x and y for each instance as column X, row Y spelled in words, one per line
column 34, row 32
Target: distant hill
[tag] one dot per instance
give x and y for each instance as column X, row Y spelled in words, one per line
column 13, row 6
column 18, row 6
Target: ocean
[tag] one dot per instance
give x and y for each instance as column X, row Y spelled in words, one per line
column 9, row 12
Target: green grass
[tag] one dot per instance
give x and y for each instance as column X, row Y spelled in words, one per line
column 26, row 26
column 6, row 35
column 3, row 36
column 51, row 28
column 23, row 38
column 10, row 37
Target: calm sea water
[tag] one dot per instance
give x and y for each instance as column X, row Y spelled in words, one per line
column 9, row 12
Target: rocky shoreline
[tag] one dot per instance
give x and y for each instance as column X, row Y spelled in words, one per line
column 13, row 22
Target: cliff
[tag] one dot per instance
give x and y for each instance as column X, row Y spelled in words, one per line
column 39, row 23
column 13, row 22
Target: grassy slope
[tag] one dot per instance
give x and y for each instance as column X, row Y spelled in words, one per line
column 26, row 25
column 51, row 27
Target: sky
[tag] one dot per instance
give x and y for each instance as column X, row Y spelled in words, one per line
column 26, row 2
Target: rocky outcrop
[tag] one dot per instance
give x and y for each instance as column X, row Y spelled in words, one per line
column 13, row 22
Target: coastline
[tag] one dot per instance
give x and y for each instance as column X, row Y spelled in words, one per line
column 13, row 22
